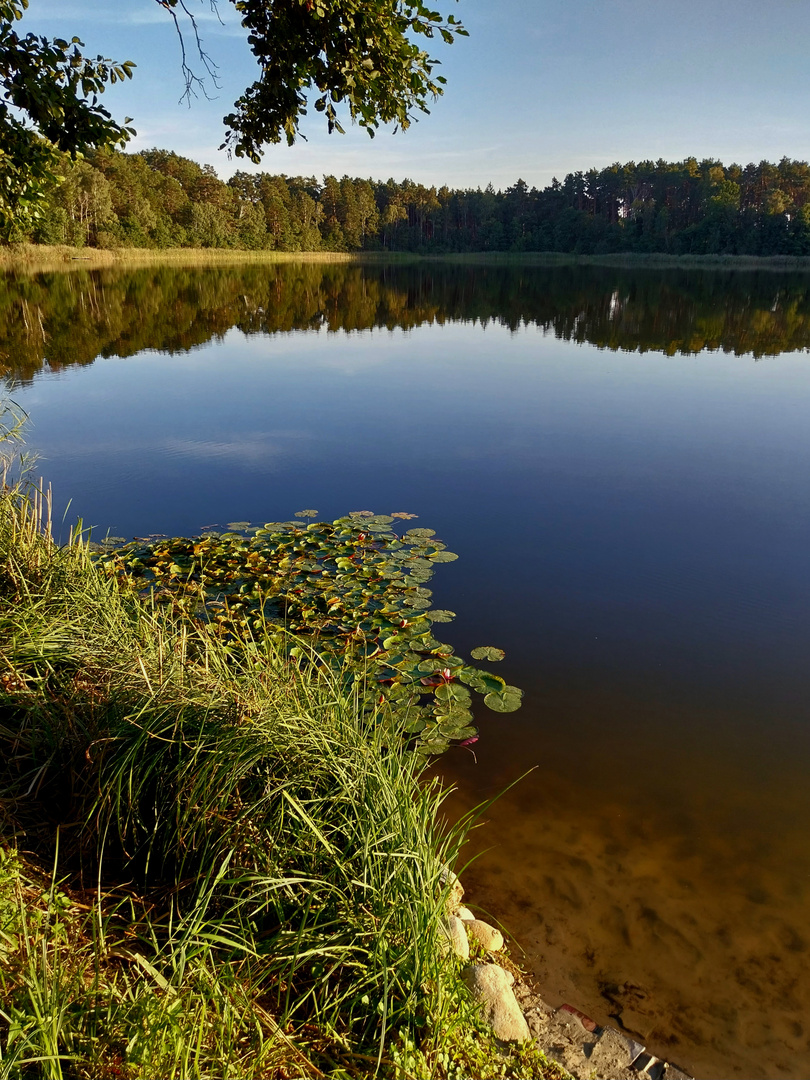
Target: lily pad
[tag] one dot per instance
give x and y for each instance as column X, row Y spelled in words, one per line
column 504, row 703
column 482, row 681
column 439, row 615
column 433, row 746
column 487, row 652
column 352, row 587
column 452, row 692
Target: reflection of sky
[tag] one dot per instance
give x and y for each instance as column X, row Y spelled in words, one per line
column 632, row 529
column 656, row 506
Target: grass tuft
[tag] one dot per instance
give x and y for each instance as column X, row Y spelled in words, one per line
column 210, row 866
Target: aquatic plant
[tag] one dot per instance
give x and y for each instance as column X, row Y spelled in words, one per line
column 228, row 869
column 350, row 593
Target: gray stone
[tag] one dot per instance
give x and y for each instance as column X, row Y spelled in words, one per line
column 454, row 937
column 613, row 1053
column 485, row 935
column 573, row 1060
column 492, row 987
column 566, row 1027
column 464, row 914
column 672, row 1072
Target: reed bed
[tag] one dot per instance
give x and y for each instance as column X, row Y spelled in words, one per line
column 44, row 258
column 40, row 258
column 212, row 865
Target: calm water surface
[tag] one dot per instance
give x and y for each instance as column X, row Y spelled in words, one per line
column 622, row 461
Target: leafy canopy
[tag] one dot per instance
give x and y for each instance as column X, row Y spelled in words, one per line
column 366, row 55
column 48, row 99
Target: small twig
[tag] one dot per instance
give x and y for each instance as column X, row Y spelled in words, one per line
column 193, row 81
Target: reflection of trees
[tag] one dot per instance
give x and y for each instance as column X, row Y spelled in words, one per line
column 71, row 318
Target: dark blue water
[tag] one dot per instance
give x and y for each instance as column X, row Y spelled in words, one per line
column 633, row 528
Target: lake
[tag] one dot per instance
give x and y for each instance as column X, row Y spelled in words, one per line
column 621, row 459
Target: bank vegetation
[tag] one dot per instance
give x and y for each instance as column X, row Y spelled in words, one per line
column 211, row 865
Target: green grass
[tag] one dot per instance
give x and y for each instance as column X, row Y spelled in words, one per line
column 212, row 867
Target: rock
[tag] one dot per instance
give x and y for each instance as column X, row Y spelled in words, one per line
column 613, row 1053
column 464, row 914
column 492, row 987
column 566, row 1027
column 672, row 1072
column 455, row 890
column 486, row 935
column 573, row 1060
column 538, row 1013
column 454, row 937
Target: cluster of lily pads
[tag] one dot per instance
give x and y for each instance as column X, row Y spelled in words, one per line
column 353, row 589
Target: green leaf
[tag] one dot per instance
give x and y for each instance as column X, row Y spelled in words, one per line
column 418, row 603
column 433, row 745
column 466, row 732
column 482, row 680
column 452, row 692
column 428, row 667
column 504, row 702
column 439, row 615
column 487, row 652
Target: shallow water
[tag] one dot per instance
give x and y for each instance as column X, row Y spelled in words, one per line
column 621, row 462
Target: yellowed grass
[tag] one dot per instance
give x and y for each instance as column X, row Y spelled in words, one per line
column 36, row 257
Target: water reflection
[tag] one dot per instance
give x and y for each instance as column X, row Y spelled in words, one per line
column 71, row 318
column 633, row 530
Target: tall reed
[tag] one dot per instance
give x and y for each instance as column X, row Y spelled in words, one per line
column 251, row 871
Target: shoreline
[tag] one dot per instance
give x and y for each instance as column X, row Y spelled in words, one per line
column 36, row 258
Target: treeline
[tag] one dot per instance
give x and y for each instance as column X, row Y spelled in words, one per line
column 158, row 199
column 53, row 321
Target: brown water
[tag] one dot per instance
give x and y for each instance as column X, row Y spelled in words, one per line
column 660, row 888
column 621, row 461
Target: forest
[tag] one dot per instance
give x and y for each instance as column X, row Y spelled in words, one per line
column 158, row 199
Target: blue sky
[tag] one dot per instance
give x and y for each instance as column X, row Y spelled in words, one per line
column 540, row 88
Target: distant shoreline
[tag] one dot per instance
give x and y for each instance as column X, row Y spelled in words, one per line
column 41, row 257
